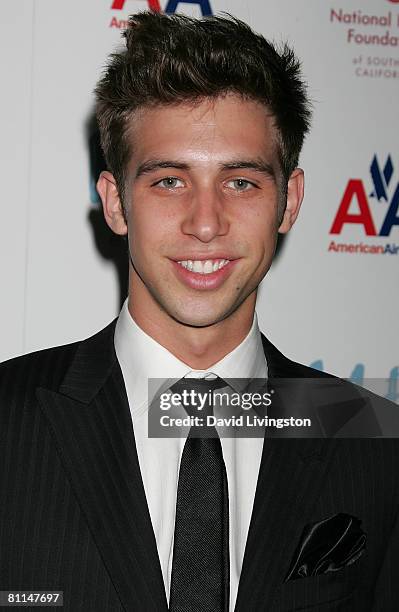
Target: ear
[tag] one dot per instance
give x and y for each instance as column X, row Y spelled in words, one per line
column 112, row 205
column 295, row 191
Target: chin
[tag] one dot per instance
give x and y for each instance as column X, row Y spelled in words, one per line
column 195, row 315
column 200, row 315
column 205, row 320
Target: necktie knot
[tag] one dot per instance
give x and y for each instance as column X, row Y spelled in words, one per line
column 198, row 384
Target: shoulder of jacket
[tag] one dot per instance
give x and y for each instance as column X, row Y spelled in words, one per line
column 46, row 367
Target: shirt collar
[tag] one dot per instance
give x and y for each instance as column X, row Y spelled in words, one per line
column 142, row 358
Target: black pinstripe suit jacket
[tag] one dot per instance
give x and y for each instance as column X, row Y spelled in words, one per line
column 74, row 515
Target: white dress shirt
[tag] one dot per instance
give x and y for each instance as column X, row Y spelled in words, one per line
column 140, row 358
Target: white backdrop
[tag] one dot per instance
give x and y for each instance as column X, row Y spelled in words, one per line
column 335, row 309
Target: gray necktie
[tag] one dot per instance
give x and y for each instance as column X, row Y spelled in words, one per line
column 200, row 569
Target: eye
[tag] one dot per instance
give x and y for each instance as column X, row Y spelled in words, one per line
column 240, row 184
column 170, row 182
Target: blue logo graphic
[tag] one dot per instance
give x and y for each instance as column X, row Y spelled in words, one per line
column 357, row 377
column 381, row 180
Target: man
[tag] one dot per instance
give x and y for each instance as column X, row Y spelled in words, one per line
column 202, row 123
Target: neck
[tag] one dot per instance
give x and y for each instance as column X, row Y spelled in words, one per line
column 198, row 347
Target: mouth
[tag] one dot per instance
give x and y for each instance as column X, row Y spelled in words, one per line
column 204, row 274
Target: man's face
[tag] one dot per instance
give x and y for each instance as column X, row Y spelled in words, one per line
column 202, row 207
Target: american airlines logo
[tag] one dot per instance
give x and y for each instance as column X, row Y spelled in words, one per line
column 362, row 210
column 384, row 190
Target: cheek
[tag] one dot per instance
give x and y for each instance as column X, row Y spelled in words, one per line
column 262, row 244
column 259, row 217
column 142, row 226
column 260, row 231
column 148, row 217
column 150, row 236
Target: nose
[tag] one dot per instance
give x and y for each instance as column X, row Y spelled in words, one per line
column 206, row 216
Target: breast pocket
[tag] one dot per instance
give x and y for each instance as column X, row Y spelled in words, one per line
column 328, row 592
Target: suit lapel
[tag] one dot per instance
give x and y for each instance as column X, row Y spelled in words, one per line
column 291, row 475
column 90, row 419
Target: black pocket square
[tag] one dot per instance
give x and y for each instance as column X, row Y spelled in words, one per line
column 327, row 546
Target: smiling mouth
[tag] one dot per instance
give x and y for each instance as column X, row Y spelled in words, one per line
column 204, row 267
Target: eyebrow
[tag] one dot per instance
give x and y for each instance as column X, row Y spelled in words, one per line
column 258, row 165
column 251, row 164
column 158, row 164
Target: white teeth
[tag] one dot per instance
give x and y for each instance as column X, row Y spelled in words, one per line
column 204, row 267
column 208, row 267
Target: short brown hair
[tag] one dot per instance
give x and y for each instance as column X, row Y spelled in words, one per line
column 171, row 59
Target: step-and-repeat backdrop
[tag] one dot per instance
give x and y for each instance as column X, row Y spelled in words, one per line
column 331, row 298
